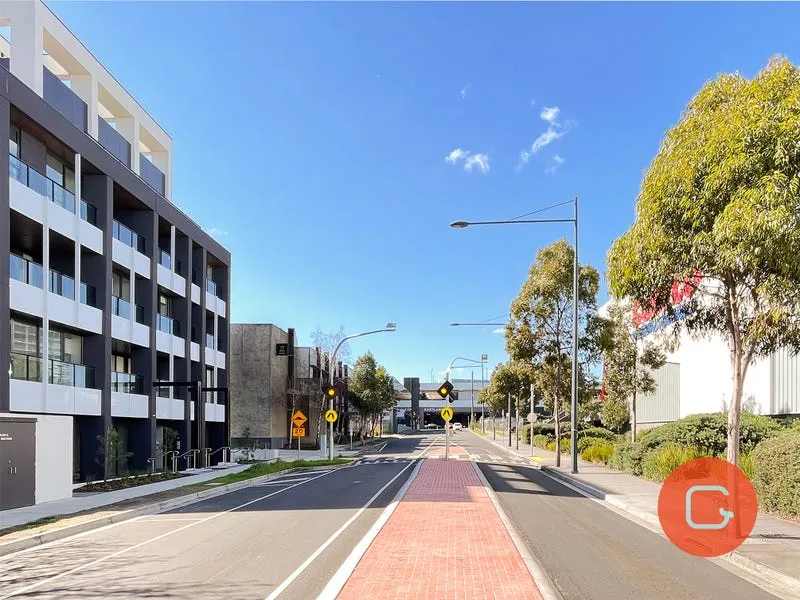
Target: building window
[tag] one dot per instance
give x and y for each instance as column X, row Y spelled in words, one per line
column 120, row 286
column 13, row 141
column 65, row 347
column 60, row 173
column 120, row 364
column 25, row 338
column 164, row 306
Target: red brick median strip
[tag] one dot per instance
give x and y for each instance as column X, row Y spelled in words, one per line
column 444, row 541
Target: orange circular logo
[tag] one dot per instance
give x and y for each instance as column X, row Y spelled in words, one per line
column 707, row 507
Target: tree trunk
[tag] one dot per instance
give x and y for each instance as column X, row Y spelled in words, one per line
column 635, row 384
column 734, row 412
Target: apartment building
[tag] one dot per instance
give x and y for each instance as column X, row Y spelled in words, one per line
column 105, row 285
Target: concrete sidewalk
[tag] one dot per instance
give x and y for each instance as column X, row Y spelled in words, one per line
column 82, row 501
column 443, row 527
column 771, row 551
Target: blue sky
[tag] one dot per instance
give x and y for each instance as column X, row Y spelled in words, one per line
column 313, row 139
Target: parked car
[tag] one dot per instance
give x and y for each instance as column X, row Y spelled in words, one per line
column 457, row 426
column 431, row 426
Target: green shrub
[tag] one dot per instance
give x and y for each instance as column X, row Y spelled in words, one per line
column 627, row 457
column 541, row 441
column 585, row 442
column 599, row 452
column 659, row 463
column 708, row 432
column 551, row 445
column 776, row 474
column 526, row 434
column 598, row 432
column 746, row 464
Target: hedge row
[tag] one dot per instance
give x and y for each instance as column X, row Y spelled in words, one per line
column 770, row 454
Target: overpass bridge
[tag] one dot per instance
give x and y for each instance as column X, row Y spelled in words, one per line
column 429, row 402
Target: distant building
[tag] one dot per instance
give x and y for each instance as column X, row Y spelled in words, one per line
column 266, row 387
column 697, row 377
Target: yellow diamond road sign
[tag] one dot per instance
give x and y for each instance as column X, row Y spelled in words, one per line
column 447, row 413
column 331, row 415
column 298, row 418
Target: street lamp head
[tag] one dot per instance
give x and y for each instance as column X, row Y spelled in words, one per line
column 459, row 224
column 391, row 326
column 454, row 324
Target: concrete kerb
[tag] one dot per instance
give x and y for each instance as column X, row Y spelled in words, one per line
column 546, row 586
column 156, row 507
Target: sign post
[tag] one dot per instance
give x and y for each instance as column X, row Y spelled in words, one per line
column 447, row 414
column 298, row 431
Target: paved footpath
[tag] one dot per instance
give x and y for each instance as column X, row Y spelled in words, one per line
column 444, row 540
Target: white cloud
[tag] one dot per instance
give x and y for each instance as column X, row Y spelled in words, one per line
column 214, row 232
column 550, row 114
column 548, row 136
column 465, row 90
column 557, row 162
column 456, row 155
column 499, row 330
column 481, row 161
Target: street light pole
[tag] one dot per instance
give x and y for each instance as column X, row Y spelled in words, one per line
column 574, row 220
column 389, row 327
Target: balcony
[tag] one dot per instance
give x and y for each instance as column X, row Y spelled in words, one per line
column 70, row 374
column 88, row 213
column 71, row 391
column 63, row 285
column 26, row 367
column 127, row 237
column 88, row 295
column 152, row 175
column 31, row 178
column 26, row 271
column 120, row 307
column 127, row 383
column 64, row 100
column 111, row 140
column 167, row 324
column 164, row 259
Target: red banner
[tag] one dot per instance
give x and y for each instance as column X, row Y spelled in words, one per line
column 681, row 290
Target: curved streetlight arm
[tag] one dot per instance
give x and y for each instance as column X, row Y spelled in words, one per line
column 450, row 366
column 350, row 337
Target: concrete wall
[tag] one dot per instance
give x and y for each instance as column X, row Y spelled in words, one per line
column 258, row 383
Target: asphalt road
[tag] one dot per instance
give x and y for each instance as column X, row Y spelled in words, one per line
column 593, row 553
column 237, row 546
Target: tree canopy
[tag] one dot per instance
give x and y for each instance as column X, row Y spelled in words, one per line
column 722, row 199
column 371, row 385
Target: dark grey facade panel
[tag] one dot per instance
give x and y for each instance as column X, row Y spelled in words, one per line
column 64, row 100
column 5, row 249
column 27, row 101
column 112, row 141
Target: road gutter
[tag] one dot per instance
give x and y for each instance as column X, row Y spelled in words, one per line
column 87, row 526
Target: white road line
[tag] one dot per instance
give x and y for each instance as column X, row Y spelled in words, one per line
column 382, row 447
column 42, row 582
column 167, row 520
column 341, row 576
column 298, row 571
column 282, row 587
